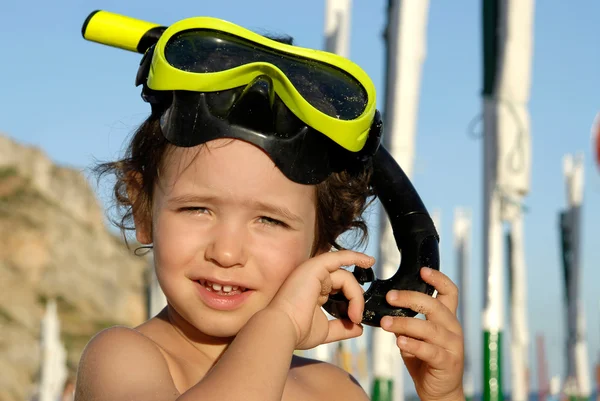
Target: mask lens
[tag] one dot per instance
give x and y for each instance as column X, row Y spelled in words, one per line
column 327, row 88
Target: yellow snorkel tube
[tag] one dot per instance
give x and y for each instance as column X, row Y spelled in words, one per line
column 120, row 31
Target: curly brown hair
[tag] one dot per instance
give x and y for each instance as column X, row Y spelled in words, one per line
column 340, row 200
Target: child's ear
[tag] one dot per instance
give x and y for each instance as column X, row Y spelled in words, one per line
column 142, row 217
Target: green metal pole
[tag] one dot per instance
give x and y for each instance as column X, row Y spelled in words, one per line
column 382, row 389
column 493, row 366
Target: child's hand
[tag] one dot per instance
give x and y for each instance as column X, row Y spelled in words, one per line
column 432, row 349
column 306, row 290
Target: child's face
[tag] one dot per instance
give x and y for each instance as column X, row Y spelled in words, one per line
column 227, row 215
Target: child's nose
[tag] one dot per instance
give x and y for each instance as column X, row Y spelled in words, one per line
column 226, row 246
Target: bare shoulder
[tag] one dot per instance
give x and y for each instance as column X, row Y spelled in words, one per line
column 122, row 364
column 327, row 381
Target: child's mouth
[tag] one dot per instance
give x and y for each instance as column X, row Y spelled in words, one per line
column 225, row 290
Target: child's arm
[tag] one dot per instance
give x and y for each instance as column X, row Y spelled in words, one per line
column 432, row 349
column 255, row 365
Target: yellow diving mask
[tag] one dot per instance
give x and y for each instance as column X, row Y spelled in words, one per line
column 327, row 92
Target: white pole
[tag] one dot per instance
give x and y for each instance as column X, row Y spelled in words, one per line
column 337, row 40
column 519, row 331
column 53, row 362
column 462, row 245
column 554, row 393
column 581, row 355
column 507, row 170
column 406, row 44
column 337, row 26
column 578, row 377
column 493, row 311
column 362, row 362
column 598, row 366
column 436, row 216
column 156, row 298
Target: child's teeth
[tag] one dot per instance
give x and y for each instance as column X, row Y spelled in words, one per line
column 223, row 288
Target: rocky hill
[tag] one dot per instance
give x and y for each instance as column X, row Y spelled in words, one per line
column 54, row 244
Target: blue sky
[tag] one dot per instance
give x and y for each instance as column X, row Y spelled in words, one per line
column 77, row 101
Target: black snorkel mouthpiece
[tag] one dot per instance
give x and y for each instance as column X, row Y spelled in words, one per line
column 416, row 238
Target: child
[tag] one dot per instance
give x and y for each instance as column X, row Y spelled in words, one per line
column 242, row 199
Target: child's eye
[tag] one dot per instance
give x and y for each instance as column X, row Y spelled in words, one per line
column 271, row 222
column 194, row 210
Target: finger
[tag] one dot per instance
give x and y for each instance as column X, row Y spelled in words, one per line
column 409, row 359
column 424, row 330
column 332, row 261
column 345, row 282
column 342, row 330
column 434, row 356
column 407, row 355
column 447, row 290
column 326, row 286
column 434, row 309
